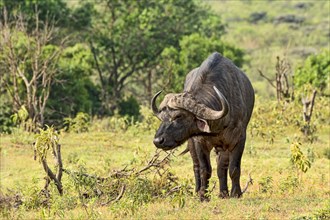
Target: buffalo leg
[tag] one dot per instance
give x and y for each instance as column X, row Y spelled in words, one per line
column 222, row 170
column 205, row 169
column 235, row 167
column 194, row 157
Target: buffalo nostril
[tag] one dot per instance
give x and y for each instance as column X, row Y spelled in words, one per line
column 159, row 140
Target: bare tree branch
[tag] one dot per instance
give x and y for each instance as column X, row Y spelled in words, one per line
column 29, row 64
column 264, row 76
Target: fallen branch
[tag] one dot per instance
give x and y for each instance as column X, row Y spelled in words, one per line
column 120, row 195
column 101, row 179
column 155, row 162
column 174, row 189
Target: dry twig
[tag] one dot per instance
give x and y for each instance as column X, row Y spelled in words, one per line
column 250, row 181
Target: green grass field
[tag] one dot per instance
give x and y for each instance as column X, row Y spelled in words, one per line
column 279, row 191
column 264, row 39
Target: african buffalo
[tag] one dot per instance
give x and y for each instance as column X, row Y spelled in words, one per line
column 213, row 111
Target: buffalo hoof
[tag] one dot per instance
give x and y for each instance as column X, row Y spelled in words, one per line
column 224, row 194
column 203, row 197
column 236, row 192
column 236, row 195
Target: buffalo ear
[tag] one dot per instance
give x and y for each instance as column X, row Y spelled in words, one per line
column 203, row 125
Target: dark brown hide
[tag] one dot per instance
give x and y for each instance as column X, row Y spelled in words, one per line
column 219, row 88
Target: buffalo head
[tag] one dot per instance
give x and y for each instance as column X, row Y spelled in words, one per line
column 182, row 117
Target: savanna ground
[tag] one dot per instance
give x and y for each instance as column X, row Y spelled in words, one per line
column 281, row 190
column 114, row 146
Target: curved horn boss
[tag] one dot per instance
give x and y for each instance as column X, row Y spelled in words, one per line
column 186, row 102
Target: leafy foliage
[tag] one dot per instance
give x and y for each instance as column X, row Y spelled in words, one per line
column 148, row 122
column 22, row 121
column 73, row 90
column 315, row 71
column 129, row 107
column 78, row 124
column 6, row 123
column 148, row 28
column 194, row 49
column 290, row 184
column 266, row 184
column 162, row 41
column 21, row 116
column 46, row 140
column 298, row 159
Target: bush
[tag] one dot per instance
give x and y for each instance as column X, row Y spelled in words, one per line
column 6, row 123
column 129, row 107
column 78, row 124
column 315, row 71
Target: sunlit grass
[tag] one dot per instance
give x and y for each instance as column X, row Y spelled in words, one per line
column 264, row 41
column 289, row 195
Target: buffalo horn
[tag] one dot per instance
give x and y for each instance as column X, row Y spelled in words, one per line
column 200, row 110
column 153, row 103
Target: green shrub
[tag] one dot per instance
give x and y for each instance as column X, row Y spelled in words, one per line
column 6, row 123
column 326, row 152
column 315, row 71
column 266, row 184
column 78, row 124
column 148, row 122
column 298, row 159
column 289, row 184
column 129, row 107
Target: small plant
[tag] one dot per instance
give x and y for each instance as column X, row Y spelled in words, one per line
column 78, row 124
column 266, row 184
column 120, row 123
column 47, row 140
column 326, row 153
column 20, row 116
column 252, row 150
column 298, row 159
column 23, row 125
column 311, row 154
column 290, row 184
column 180, row 195
column 149, row 121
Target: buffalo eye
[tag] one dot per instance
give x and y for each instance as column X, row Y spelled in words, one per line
column 176, row 117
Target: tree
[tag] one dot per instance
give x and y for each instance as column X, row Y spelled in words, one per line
column 28, row 63
column 47, row 9
column 73, row 91
column 128, row 38
column 283, row 81
column 193, row 50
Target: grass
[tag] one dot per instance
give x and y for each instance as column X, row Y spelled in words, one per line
column 289, row 194
column 264, row 40
column 279, row 191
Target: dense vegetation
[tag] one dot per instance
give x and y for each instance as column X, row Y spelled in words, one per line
column 76, row 78
column 98, row 56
